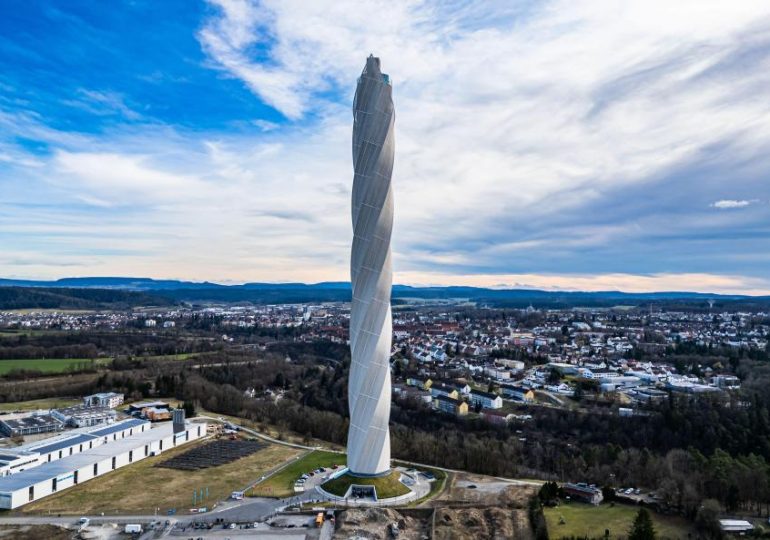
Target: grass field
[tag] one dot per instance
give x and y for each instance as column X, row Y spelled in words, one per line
column 52, row 403
column 140, row 488
column 281, row 484
column 387, row 486
column 49, row 365
column 583, row 520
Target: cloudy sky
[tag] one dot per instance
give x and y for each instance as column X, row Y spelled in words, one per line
column 568, row 144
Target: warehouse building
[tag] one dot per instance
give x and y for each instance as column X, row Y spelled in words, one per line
column 138, row 408
column 12, row 462
column 84, row 416
column 15, row 460
column 75, row 442
column 115, row 452
column 30, row 425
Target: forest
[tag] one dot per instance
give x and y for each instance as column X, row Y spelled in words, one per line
column 63, row 298
column 687, row 449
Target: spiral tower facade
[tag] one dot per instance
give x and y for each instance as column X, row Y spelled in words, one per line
column 371, row 274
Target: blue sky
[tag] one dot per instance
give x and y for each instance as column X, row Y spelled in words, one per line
column 566, row 145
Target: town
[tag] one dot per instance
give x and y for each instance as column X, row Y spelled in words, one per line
column 485, row 356
column 481, row 373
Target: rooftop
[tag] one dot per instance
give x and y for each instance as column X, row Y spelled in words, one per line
column 31, row 421
column 64, row 443
column 118, row 426
column 69, row 435
column 68, row 464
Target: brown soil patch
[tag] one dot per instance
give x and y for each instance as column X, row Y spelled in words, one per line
column 34, row 532
column 373, row 524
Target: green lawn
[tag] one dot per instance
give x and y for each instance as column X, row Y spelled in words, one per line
column 281, row 484
column 583, row 520
column 35, row 404
column 50, row 365
column 387, row 486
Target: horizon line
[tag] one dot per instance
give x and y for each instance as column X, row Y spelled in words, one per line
column 501, row 287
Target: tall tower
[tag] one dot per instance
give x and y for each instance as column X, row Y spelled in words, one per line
column 371, row 274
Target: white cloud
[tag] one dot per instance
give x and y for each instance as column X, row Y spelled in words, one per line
column 122, row 179
column 532, row 112
column 505, row 117
column 102, row 103
column 693, row 282
column 731, row 203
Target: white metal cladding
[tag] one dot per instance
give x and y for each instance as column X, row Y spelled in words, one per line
column 33, row 484
column 371, row 273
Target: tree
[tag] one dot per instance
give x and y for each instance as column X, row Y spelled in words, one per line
column 707, row 519
column 189, row 409
column 549, row 493
column 554, row 376
column 642, row 528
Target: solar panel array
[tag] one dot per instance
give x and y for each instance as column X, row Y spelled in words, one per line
column 212, row 454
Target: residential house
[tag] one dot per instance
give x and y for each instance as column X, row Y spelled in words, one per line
column 441, row 389
column 583, row 492
column 518, row 393
column 486, row 400
column 450, row 405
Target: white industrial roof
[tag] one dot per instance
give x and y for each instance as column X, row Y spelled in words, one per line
column 96, row 431
column 735, row 525
column 48, row 471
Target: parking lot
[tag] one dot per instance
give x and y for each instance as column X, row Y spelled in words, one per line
column 309, row 480
column 637, row 495
column 283, row 526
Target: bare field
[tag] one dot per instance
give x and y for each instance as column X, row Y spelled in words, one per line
column 34, row 532
column 474, row 490
column 373, row 523
column 497, row 523
column 141, row 488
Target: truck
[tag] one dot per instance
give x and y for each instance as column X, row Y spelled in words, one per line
column 133, row 528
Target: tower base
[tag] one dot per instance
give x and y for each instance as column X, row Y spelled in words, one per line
column 390, row 488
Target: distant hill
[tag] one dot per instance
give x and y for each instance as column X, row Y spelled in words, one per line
column 66, row 298
column 122, row 283
column 263, row 293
